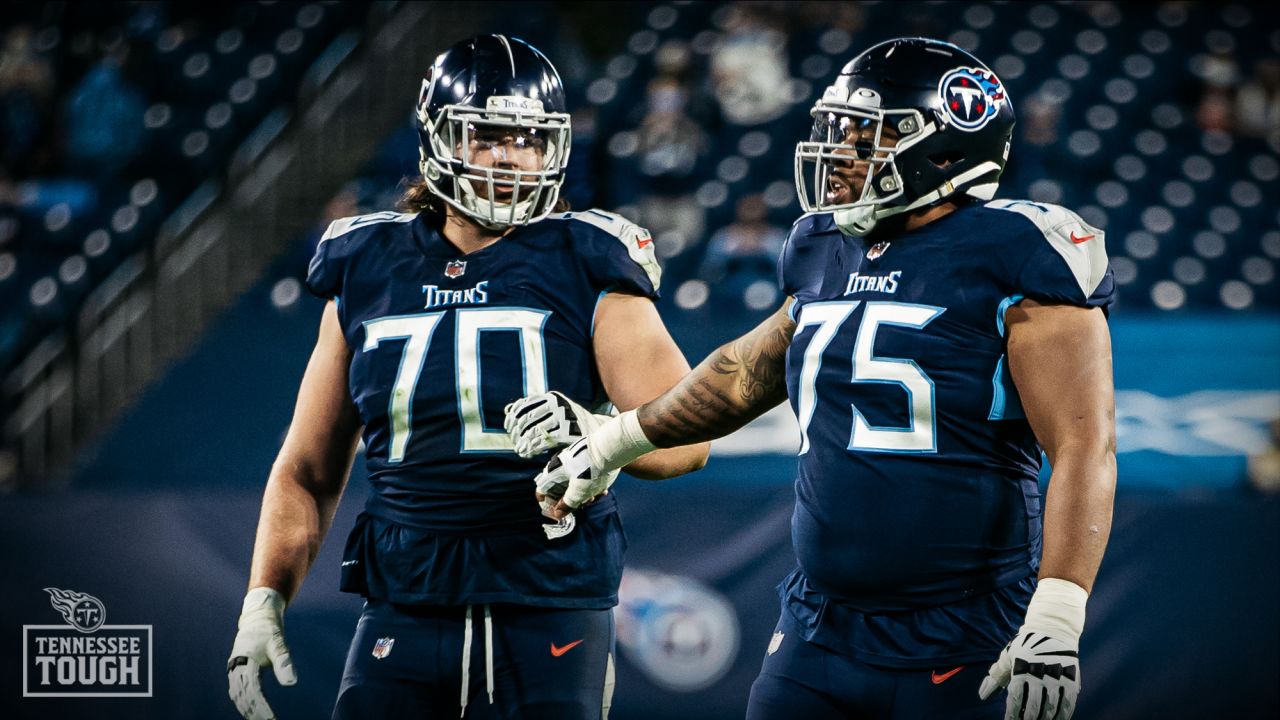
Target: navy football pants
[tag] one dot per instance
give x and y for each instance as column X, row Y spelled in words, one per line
column 803, row 680
column 414, row 663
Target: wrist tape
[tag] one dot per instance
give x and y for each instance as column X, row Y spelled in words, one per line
column 617, row 442
column 1057, row 609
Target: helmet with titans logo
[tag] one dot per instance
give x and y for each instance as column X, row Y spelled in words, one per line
column 951, row 117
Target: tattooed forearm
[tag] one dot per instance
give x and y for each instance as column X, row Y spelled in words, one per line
column 756, row 362
column 734, row 385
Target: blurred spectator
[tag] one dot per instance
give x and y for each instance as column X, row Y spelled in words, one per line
column 1041, row 117
column 1264, row 468
column 1258, row 101
column 1219, row 74
column 749, row 68
column 676, row 221
column 746, row 250
column 1217, row 68
column 672, row 150
column 103, row 117
column 1213, row 114
column 1039, row 120
column 671, row 142
column 674, row 59
column 26, row 90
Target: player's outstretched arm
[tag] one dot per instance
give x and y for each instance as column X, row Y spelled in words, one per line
column 1060, row 359
column 638, row 361
column 737, row 383
column 301, row 498
column 734, row 385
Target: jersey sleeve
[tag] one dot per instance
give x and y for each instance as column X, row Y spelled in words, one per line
column 804, row 257
column 619, row 254
column 324, row 274
column 1065, row 259
column 328, row 268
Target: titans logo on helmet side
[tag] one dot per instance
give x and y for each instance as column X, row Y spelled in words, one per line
column 971, row 97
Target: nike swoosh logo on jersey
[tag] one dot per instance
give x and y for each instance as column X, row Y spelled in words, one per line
column 644, row 242
column 1078, row 240
column 938, row 679
column 558, row 651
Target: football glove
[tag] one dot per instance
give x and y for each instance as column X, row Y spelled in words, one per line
column 587, row 468
column 259, row 642
column 571, row 478
column 1041, row 666
column 538, row 423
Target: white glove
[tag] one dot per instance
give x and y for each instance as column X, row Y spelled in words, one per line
column 538, row 423
column 589, row 466
column 259, row 642
column 571, row 478
column 1041, row 666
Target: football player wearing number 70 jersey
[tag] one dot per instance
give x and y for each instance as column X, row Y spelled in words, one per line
column 934, row 340
column 438, row 318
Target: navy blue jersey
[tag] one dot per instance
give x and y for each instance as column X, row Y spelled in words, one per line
column 441, row 343
column 917, row 479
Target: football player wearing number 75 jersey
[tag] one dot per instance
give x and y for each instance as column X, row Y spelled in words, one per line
column 438, row 319
column 933, row 342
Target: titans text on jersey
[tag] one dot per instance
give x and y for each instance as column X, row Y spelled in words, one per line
column 859, row 283
column 917, row 493
column 441, row 343
column 437, row 296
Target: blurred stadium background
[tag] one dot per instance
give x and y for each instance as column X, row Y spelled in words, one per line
column 166, row 170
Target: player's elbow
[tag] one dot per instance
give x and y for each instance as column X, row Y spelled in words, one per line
column 297, row 473
column 1092, row 444
column 1092, row 462
column 698, row 457
column 670, row 462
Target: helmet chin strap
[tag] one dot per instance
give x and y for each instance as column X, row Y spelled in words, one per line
column 861, row 220
column 856, row 221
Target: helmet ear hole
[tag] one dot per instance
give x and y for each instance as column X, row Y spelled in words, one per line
column 946, row 159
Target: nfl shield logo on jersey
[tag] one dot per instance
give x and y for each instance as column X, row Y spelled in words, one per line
column 455, row 268
column 382, row 648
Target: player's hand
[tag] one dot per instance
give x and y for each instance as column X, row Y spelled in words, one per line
column 1042, row 671
column 539, row 423
column 259, row 642
column 571, row 480
column 1041, row 666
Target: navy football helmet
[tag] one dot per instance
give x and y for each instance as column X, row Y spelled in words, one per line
column 496, row 94
column 950, row 114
